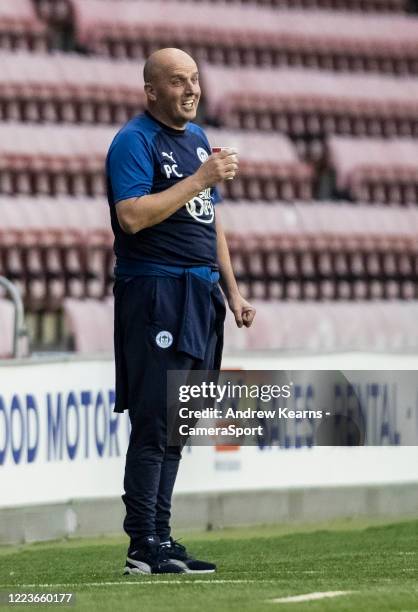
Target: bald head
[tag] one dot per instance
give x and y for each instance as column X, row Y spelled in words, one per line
column 165, row 60
column 172, row 87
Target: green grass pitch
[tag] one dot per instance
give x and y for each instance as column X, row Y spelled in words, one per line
column 376, row 561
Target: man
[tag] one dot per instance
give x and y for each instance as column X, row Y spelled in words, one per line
column 169, row 311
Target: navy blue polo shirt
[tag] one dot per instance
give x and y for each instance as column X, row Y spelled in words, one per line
column 148, row 157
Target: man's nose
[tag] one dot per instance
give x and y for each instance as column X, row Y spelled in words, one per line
column 192, row 87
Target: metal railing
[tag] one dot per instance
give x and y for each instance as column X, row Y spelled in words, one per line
column 20, row 335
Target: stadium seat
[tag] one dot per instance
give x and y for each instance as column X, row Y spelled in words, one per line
column 91, row 324
column 69, row 160
column 20, row 28
column 321, row 251
column 385, row 6
column 245, row 34
column 58, row 12
column 65, row 87
column 269, row 167
column 310, row 104
column 6, row 328
column 52, row 159
column 334, row 327
column 303, row 251
column 367, row 169
column 56, row 247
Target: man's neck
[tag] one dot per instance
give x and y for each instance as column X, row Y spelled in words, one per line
column 166, row 121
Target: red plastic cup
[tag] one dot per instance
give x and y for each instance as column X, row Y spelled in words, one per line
column 232, row 149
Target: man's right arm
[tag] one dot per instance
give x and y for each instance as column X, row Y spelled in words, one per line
column 135, row 214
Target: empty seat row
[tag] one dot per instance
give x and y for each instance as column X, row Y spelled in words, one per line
column 323, row 251
column 280, row 326
column 305, row 104
column 319, row 226
column 245, row 34
column 58, row 221
column 328, row 289
column 383, row 170
column 269, row 167
column 20, row 27
column 51, row 160
column 384, row 6
column 59, row 11
column 56, row 247
column 310, row 104
column 250, row 226
column 67, row 87
column 329, row 326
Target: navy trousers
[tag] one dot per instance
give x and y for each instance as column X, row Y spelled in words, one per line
column 193, row 312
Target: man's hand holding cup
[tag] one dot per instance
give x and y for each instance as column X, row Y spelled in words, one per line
column 222, row 165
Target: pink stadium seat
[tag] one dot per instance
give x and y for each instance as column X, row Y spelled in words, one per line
column 62, row 246
column 268, row 162
column 68, row 87
column 227, row 33
column 310, row 103
column 56, row 247
column 365, row 167
column 20, row 27
column 70, row 155
column 334, row 327
column 6, row 328
column 70, row 160
column 91, row 325
column 323, row 251
column 54, row 11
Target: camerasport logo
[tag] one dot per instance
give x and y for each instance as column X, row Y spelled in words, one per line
column 201, row 208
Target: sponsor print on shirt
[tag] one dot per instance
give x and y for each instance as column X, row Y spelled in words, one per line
column 201, row 207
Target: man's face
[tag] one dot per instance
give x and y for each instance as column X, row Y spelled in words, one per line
column 175, row 92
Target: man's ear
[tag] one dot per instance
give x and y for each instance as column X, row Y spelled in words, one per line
column 150, row 92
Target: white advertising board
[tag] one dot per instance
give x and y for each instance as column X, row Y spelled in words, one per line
column 60, row 440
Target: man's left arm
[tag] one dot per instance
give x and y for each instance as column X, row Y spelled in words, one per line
column 243, row 312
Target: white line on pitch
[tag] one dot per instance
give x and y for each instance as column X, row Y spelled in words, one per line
column 137, row 582
column 309, row 596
